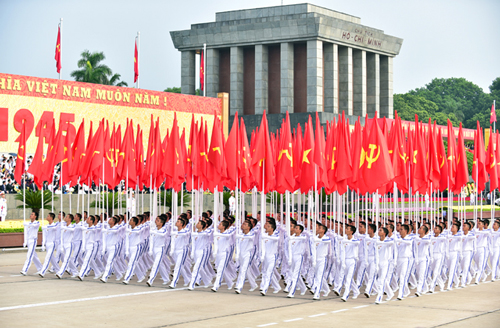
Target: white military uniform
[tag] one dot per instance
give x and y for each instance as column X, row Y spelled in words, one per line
column 3, row 208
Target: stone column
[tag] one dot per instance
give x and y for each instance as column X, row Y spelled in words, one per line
column 359, row 83
column 386, row 101
column 188, row 72
column 261, row 76
column 212, row 71
column 236, row 89
column 372, row 83
column 314, row 76
column 331, row 54
column 345, row 80
column 286, row 77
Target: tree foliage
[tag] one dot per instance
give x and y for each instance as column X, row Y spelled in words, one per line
column 173, row 90
column 93, row 71
column 454, row 98
column 33, row 200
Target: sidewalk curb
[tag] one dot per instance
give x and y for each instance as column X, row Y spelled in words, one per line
column 18, row 250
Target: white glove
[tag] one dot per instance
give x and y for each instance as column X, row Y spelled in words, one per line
column 289, row 263
column 43, row 248
column 127, row 254
column 150, row 253
column 24, row 244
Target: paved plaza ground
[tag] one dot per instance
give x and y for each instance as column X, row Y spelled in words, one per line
column 29, row 301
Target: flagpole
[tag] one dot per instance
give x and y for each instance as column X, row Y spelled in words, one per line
column 138, row 52
column 204, row 68
column 60, row 46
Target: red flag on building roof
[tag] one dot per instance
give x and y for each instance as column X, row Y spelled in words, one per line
column 136, row 62
column 58, row 50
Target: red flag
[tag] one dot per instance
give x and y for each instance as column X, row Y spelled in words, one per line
column 139, row 156
column 285, row 180
column 434, row 170
column 203, row 155
column 58, row 50
column 21, row 156
column 493, row 117
column 308, row 166
column 491, row 164
column 202, row 71
column 462, row 169
column 36, row 164
column 358, row 158
column 319, row 154
column 263, row 155
column 297, row 156
column 77, row 151
column 67, row 160
column 419, row 171
column 331, row 156
column 149, row 153
column 136, row 63
column 231, row 152
column 109, row 158
column 377, row 169
column 343, row 155
column 497, row 153
column 245, row 160
column 192, row 175
column 478, row 165
column 55, row 154
column 452, row 156
column 217, row 170
column 174, row 167
column 399, row 157
column 443, row 163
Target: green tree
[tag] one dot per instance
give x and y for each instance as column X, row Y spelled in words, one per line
column 33, row 200
column 407, row 105
column 93, row 71
column 173, row 90
column 454, row 98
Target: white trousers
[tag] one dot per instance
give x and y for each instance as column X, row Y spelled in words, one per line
column 67, row 264
column 50, row 258
column 159, row 265
column 349, row 283
column 32, row 257
column 245, row 260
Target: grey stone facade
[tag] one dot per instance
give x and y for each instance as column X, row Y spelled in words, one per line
column 348, row 65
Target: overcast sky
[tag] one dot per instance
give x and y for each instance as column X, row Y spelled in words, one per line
column 442, row 38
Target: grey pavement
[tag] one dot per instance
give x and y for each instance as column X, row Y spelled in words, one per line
column 32, row 301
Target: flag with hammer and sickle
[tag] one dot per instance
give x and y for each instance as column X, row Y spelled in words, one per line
column 376, row 167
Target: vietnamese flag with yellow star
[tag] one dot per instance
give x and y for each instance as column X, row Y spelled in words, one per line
column 263, row 159
column 491, row 163
column 136, row 63
column 58, row 50
column 285, row 179
column 308, row 166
